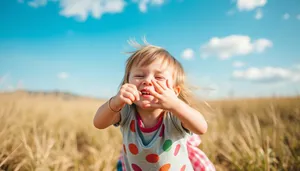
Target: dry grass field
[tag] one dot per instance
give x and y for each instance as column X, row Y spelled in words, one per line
column 55, row 132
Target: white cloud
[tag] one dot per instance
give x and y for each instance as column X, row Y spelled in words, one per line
column 63, row 75
column 21, row 1
column 261, row 44
column 286, row 16
column 238, row 64
column 144, row 3
column 158, row 1
column 258, row 14
column 233, row 45
column 248, row 5
column 81, row 9
column 298, row 16
column 297, row 67
column 37, row 3
column 187, row 54
column 267, row 74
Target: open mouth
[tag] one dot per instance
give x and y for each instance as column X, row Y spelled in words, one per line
column 144, row 92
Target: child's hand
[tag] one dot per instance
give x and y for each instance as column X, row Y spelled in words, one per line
column 167, row 99
column 128, row 93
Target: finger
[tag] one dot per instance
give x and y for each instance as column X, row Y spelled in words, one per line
column 132, row 86
column 158, row 87
column 168, row 84
column 129, row 95
column 163, row 86
column 154, row 93
column 126, row 100
column 134, row 91
column 137, row 93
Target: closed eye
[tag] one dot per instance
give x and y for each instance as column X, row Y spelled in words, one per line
column 138, row 76
column 160, row 78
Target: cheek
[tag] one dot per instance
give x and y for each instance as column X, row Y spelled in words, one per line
column 170, row 83
column 163, row 82
column 134, row 81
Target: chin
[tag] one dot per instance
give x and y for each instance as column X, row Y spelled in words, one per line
column 142, row 104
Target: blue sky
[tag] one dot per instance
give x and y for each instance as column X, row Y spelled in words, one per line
column 244, row 48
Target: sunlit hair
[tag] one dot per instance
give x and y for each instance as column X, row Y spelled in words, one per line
column 146, row 54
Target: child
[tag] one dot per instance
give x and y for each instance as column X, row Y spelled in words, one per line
column 153, row 111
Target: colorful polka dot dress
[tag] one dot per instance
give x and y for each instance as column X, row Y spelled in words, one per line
column 160, row 148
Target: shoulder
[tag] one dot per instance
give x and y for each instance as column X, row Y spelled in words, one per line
column 174, row 122
column 126, row 113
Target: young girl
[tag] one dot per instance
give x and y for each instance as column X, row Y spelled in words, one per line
column 153, row 111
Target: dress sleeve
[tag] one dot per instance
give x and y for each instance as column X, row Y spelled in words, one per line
column 178, row 124
column 124, row 115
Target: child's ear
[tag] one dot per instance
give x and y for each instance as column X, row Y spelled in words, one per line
column 177, row 90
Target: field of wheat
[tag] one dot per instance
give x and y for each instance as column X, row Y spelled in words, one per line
column 55, row 132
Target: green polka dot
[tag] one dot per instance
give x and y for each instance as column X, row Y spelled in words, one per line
column 167, row 145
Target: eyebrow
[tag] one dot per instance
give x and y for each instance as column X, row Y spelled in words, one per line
column 158, row 71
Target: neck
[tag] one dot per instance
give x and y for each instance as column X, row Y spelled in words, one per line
column 149, row 117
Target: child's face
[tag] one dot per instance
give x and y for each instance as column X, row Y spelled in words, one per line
column 141, row 77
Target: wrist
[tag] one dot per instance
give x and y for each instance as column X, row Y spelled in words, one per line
column 177, row 103
column 113, row 105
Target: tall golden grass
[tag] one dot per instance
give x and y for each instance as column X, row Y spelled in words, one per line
column 44, row 133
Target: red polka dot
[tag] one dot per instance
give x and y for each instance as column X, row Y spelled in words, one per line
column 133, row 149
column 165, row 167
column 136, row 167
column 152, row 158
column 162, row 131
column 124, row 148
column 183, row 168
column 132, row 126
column 176, row 149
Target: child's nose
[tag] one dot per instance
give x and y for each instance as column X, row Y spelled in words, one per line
column 147, row 81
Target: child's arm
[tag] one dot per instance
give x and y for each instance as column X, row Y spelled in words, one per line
column 191, row 119
column 105, row 116
column 108, row 113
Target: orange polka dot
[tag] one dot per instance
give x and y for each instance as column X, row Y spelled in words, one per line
column 124, row 148
column 136, row 167
column 176, row 149
column 152, row 158
column 133, row 149
column 165, row 167
column 183, row 168
column 132, row 126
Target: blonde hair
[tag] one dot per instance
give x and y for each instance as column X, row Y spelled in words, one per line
column 146, row 54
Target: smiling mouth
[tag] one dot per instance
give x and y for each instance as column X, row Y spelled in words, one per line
column 145, row 93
